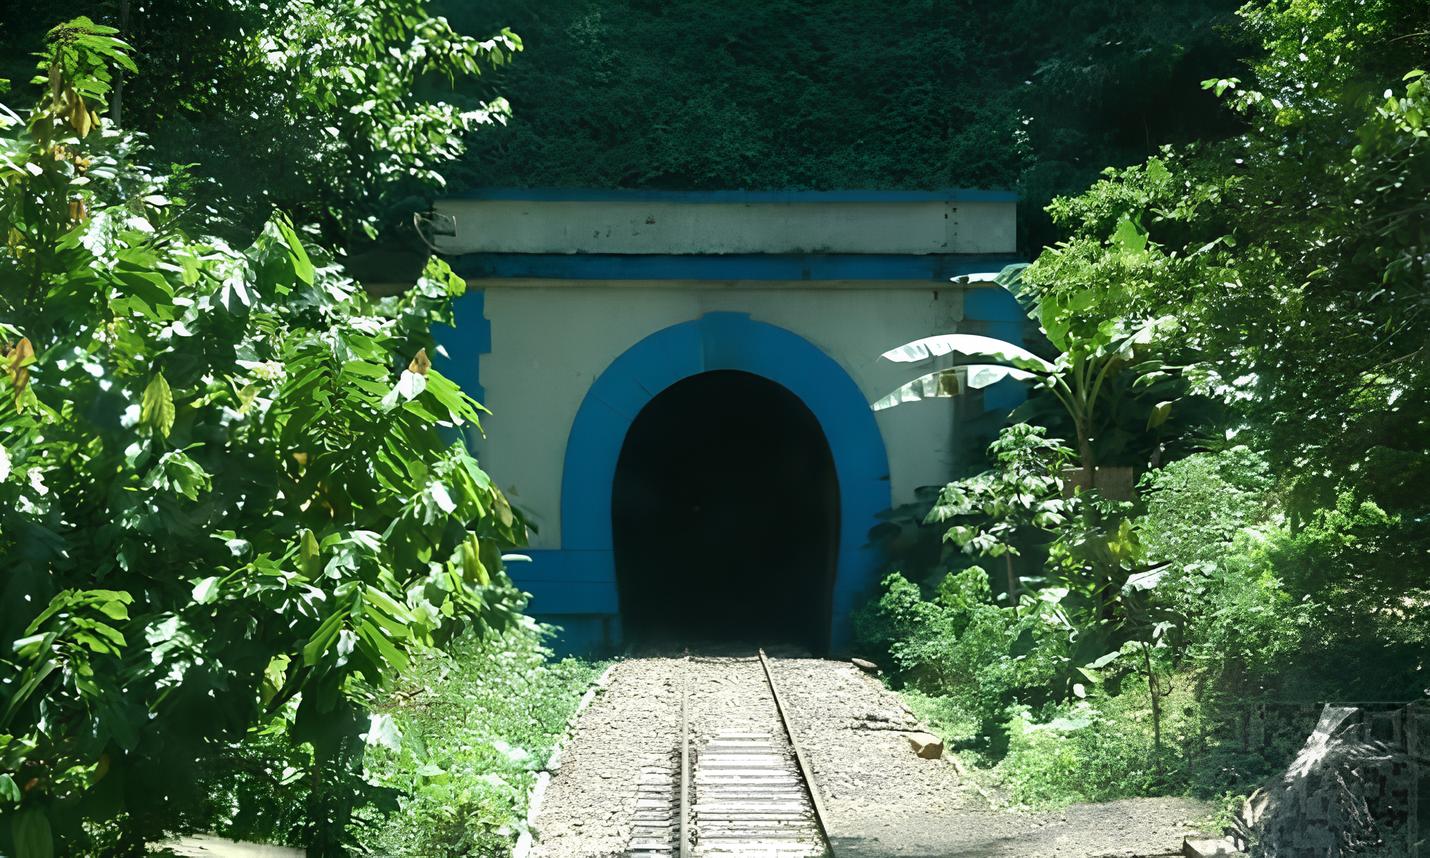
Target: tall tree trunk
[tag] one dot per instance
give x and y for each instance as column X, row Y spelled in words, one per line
column 1155, row 693
column 1012, row 583
column 116, row 95
column 1084, row 452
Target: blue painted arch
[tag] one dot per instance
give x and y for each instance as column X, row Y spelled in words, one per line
column 718, row 341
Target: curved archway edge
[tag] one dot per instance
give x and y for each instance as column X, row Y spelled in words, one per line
column 717, row 341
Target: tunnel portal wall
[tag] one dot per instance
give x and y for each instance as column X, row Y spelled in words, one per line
column 569, row 368
column 586, row 305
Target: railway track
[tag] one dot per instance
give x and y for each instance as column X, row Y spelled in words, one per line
column 737, row 783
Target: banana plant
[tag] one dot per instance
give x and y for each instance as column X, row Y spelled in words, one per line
column 1092, row 353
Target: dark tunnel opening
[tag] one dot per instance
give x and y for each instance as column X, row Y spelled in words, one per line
column 725, row 516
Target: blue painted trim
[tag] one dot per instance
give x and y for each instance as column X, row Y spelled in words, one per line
column 465, row 341
column 563, row 580
column 630, row 195
column 1001, row 316
column 591, row 266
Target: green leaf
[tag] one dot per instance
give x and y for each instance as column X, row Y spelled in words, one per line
column 382, row 647
column 156, row 410
column 1129, row 237
column 297, row 254
column 1055, row 325
column 323, row 638
column 1104, row 660
column 310, row 555
column 204, row 591
column 116, row 608
column 4, row 464
column 1157, row 171
column 32, row 835
column 143, row 288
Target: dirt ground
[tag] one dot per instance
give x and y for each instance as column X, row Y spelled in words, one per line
column 882, row 800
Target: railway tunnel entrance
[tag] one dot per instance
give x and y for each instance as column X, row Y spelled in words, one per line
column 725, row 516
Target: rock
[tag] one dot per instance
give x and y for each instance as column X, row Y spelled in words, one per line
column 864, row 665
column 926, row 745
column 1345, row 791
column 209, row 846
column 1208, row 847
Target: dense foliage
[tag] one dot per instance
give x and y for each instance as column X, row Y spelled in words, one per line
column 338, row 112
column 776, row 94
column 1275, row 555
column 229, row 505
column 1030, row 95
column 1296, row 255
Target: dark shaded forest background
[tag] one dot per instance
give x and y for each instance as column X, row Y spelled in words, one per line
column 1032, row 95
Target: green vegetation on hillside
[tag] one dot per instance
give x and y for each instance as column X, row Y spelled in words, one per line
column 1274, row 554
column 343, row 114
column 769, row 94
column 1032, row 95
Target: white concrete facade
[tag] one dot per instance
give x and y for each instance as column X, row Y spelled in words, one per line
column 551, row 341
column 672, row 227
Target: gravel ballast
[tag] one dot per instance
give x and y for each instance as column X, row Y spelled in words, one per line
column 880, row 797
column 589, row 807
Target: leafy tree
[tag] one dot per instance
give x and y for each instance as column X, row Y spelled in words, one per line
column 1294, row 255
column 1017, row 502
column 227, row 507
column 1083, row 378
column 340, row 112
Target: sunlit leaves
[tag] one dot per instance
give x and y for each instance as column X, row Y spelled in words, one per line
column 1097, row 353
column 342, row 98
column 997, row 512
column 207, row 512
column 1293, row 255
column 156, row 409
column 968, row 346
column 1129, row 237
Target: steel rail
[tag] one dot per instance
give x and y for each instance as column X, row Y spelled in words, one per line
column 804, row 770
column 682, row 847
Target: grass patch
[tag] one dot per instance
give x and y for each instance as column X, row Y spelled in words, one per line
column 478, row 724
column 946, row 717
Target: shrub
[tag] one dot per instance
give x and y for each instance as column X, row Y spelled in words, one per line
column 1099, row 749
column 962, row 645
column 227, row 505
column 477, row 726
